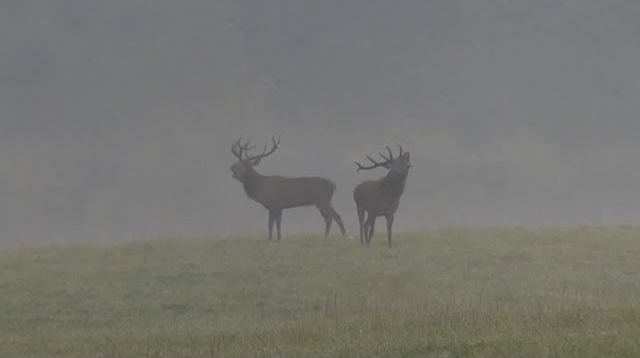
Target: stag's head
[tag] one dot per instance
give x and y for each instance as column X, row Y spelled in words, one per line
column 246, row 161
column 396, row 165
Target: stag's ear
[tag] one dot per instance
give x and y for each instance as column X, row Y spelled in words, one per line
column 255, row 162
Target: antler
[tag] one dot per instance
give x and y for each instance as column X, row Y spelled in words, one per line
column 238, row 149
column 390, row 158
column 255, row 160
column 387, row 160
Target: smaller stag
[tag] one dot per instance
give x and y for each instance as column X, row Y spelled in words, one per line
column 276, row 193
column 381, row 197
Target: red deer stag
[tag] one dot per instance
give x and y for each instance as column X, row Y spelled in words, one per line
column 276, row 193
column 381, row 197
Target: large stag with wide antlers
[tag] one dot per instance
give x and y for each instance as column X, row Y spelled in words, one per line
column 276, row 193
column 381, row 197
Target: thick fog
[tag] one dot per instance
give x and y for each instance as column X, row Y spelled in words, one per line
column 117, row 117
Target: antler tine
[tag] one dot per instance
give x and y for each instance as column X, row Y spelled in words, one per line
column 400, row 154
column 246, row 145
column 362, row 167
column 387, row 160
column 245, row 148
column 257, row 158
column 236, row 150
column 375, row 164
column 391, row 158
column 372, row 160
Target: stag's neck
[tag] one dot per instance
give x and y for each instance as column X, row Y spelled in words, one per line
column 393, row 184
column 252, row 183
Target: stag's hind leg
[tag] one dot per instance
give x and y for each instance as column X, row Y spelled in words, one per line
column 338, row 220
column 278, row 221
column 361, row 223
column 369, row 227
column 327, row 213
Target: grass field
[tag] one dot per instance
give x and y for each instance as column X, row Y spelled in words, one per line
column 460, row 292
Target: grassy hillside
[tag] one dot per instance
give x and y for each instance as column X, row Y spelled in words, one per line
column 463, row 292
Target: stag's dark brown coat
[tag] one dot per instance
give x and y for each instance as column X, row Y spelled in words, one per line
column 277, row 193
column 381, row 197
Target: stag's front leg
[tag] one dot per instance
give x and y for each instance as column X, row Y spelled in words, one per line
column 272, row 219
column 365, row 231
column 390, row 219
column 278, row 220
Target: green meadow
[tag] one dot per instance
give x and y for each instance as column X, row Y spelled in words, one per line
column 570, row 292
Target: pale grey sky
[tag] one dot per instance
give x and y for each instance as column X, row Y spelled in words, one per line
column 116, row 117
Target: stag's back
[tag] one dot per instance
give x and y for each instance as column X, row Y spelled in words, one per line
column 282, row 192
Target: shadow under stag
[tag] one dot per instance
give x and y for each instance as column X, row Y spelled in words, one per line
column 277, row 193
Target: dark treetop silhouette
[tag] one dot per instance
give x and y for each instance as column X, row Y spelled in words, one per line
column 276, row 193
column 381, row 197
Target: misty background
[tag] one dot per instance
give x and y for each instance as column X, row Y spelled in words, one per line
column 116, row 117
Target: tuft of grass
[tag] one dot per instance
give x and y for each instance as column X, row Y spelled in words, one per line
column 458, row 292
